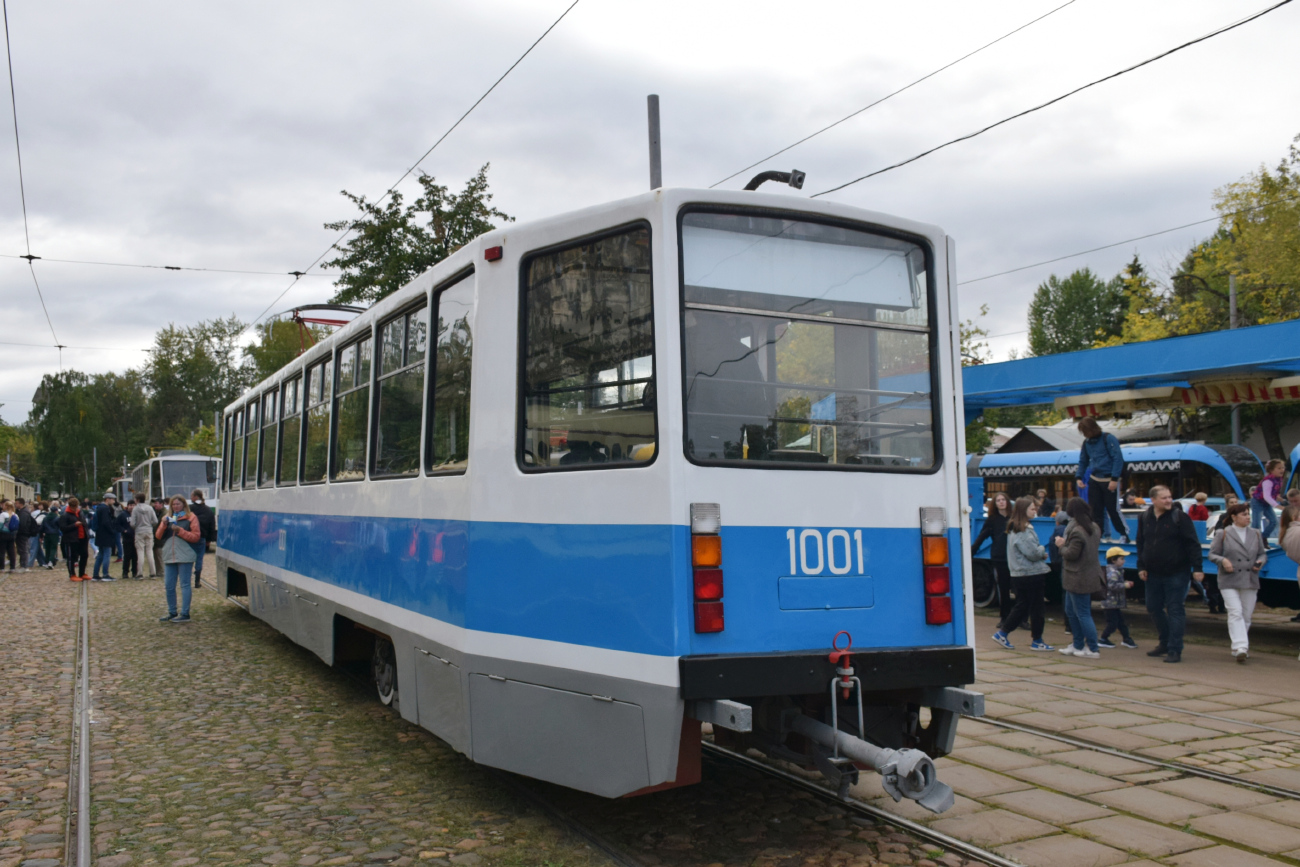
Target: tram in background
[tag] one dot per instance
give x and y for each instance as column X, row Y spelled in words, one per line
column 173, row 472
column 12, row 487
column 1185, row 468
column 514, row 488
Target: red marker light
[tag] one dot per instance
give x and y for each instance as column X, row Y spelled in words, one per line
column 492, row 254
column 937, row 581
column 708, row 584
column 938, row 610
column 708, row 617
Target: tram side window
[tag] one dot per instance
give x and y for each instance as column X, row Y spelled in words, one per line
column 588, row 388
column 155, row 480
column 269, row 419
column 452, row 363
column 315, row 465
column 399, row 398
column 252, row 439
column 351, row 412
column 290, row 432
column 236, row 458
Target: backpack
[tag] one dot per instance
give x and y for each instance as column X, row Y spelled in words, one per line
column 13, row 524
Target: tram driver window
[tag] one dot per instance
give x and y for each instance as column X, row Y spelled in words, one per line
column 452, row 364
column 806, row 345
column 587, row 381
column 351, row 412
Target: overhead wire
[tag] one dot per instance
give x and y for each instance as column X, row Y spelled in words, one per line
column 157, row 267
column 422, row 158
column 890, row 95
column 22, row 186
column 1236, row 213
column 1057, row 99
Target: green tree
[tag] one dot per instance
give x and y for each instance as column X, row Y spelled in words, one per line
column 1076, row 313
column 278, row 343
column 192, row 372
column 392, row 244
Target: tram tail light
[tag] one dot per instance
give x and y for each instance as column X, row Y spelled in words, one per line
column 706, row 566
column 936, row 572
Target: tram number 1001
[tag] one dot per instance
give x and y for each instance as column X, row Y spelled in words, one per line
column 811, row 553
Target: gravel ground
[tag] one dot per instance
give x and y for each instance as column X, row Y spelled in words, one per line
column 38, row 615
column 221, row 742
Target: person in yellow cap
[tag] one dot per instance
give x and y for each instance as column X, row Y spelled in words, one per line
column 1116, row 600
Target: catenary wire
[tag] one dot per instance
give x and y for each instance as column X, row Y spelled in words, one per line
column 1236, row 213
column 423, row 156
column 1055, row 100
column 22, row 186
column 157, row 267
column 890, row 95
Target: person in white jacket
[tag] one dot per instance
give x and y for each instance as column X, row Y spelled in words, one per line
column 143, row 522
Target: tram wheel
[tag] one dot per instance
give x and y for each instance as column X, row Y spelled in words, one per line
column 383, row 666
column 984, row 584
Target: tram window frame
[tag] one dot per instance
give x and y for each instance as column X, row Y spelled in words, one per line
column 252, row 427
column 936, row 405
column 292, row 384
column 432, row 468
column 318, row 391
column 362, row 374
column 270, row 425
column 521, row 399
column 408, row 316
column 233, row 434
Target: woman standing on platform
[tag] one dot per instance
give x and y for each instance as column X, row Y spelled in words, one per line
column 179, row 530
column 1027, row 559
column 1239, row 552
column 995, row 528
column 1081, row 576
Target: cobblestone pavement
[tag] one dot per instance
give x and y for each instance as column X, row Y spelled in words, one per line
column 1042, row 802
column 220, row 742
column 37, row 662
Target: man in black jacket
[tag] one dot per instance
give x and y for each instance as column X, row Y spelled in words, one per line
column 207, row 531
column 1168, row 556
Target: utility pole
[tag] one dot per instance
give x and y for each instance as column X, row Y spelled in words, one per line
column 1232, row 325
column 656, row 158
column 94, row 452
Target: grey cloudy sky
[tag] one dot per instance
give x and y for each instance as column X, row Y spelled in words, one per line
column 219, row 135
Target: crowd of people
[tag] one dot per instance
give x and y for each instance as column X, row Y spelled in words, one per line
column 161, row 539
column 1169, row 555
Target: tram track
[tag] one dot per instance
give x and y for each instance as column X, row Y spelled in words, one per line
column 77, row 825
column 1181, row 768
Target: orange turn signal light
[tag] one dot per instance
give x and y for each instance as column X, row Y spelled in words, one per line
column 706, row 551
column 934, row 550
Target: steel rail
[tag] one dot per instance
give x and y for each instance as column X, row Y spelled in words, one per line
column 82, row 720
column 1138, row 757
column 952, row 844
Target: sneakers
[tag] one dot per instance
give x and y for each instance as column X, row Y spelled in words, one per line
column 108, row 578
column 1129, row 643
column 1158, row 650
column 1174, row 656
column 1069, row 650
column 1242, row 656
column 184, row 618
column 168, row 619
column 1087, row 654
column 1041, row 645
column 1001, row 638
column 1104, row 642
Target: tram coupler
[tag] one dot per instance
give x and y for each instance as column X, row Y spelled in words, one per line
column 904, row 773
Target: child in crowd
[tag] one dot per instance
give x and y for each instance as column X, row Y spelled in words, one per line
column 1116, row 599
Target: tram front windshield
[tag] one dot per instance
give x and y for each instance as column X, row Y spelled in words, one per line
column 806, row 344
column 184, row 477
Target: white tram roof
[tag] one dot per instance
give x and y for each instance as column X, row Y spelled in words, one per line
column 659, row 207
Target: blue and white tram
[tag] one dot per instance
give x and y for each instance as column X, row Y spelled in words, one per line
column 595, row 479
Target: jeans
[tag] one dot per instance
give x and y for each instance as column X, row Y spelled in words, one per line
column 1213, row 598
column 1102, row 499
column 173, row 574
column 104, row 557
column 77, row 551
column 1078, row 609
column 1115, row 622
column 7, row 549
column 51, row 549
column 1263, row 518
column 130, row 564
column 198, row 561
column 1166, row 598
column 24, row 551
column 1240, row 605
column 1029, row 601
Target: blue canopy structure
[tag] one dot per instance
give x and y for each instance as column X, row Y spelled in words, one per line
column 1246, row 365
